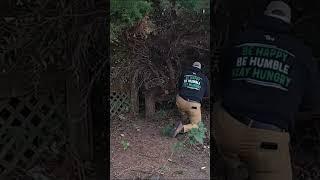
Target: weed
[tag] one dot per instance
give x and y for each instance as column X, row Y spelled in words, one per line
column 166, row 131
column 125, row 144
column 178, row 146
column 161, row 114
column 197, row 134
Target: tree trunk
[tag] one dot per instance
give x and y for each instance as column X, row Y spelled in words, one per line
column 171, row 73
column 150, row 103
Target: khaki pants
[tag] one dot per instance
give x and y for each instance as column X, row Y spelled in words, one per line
column 191, row 110
column 236, row 139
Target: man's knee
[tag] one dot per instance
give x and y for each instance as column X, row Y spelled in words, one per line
column 195, row 119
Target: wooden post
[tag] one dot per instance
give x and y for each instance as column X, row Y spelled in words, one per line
column 150, row 103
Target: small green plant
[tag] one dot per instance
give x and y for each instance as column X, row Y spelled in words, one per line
column 161, row 113
column 178, row 146
column 125, row 144
column 166, row 131
column 197, row 134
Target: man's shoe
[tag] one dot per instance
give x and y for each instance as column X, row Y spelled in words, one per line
column 177, row 129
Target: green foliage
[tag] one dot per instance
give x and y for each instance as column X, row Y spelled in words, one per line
column 197, row 134
column 161, row 113
column 166, row 131
column 178, row 146
column 202, row 6
column 194, row 135
column 165, row 5
column 128, row 11
column 124, row 13
column 125, row 144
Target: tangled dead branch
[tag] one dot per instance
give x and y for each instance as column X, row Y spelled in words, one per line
column 158, row 46
column 60, row 36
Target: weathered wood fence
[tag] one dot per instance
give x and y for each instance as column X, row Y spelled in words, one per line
column 119, row 103
column 29, row 119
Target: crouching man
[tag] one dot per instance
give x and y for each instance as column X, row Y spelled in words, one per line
column 193, row 86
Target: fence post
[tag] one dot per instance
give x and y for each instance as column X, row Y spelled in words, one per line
column 150, row 104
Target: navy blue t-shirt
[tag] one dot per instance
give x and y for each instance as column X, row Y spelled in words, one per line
column 193, row 85
column 268, row 73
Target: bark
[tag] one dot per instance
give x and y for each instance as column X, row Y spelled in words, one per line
column 150, row 103
column 171, row 72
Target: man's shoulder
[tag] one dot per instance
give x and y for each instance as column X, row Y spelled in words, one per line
column 203, row 76
column 288, row 40
column 298, row 42
column 301, row 49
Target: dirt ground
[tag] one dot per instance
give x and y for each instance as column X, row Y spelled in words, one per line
column 150, row 154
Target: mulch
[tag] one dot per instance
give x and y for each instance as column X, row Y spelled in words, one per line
column 150, row 154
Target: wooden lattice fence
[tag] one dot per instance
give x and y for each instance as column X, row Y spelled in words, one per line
column 38, row 122
column 119, row 103
column 27, row 124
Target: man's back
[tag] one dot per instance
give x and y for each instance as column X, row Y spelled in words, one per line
column 267, row 72
column 193, row 85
